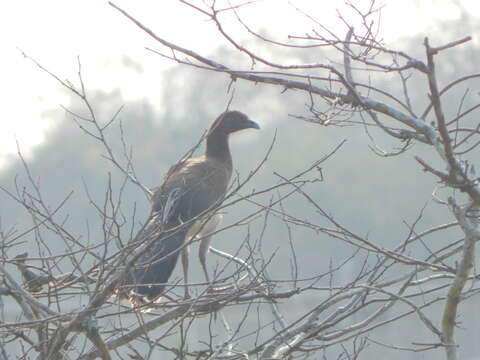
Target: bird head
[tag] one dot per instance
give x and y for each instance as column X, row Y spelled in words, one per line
column 232, row 121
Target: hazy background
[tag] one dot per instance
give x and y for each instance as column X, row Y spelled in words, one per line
column 165, row 111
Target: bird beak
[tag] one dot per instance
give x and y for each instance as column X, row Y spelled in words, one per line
column 251, row 124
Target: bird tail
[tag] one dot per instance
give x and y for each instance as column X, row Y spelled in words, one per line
column 147, row 281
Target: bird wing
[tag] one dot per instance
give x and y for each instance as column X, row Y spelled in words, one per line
column 189, row 191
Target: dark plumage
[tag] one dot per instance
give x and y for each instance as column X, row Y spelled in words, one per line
column 180, row 208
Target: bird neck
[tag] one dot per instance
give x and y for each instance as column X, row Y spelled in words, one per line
column 218, row 149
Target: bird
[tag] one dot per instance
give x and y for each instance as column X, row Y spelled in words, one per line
column 183, row 208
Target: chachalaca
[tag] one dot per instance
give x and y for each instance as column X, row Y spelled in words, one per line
column 182, row 208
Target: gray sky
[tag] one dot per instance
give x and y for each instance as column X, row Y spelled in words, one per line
column 55, row 32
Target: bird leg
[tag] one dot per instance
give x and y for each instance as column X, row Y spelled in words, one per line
column 206, row 235
column 202, row 254
column 185, row 252
column 203, row 232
